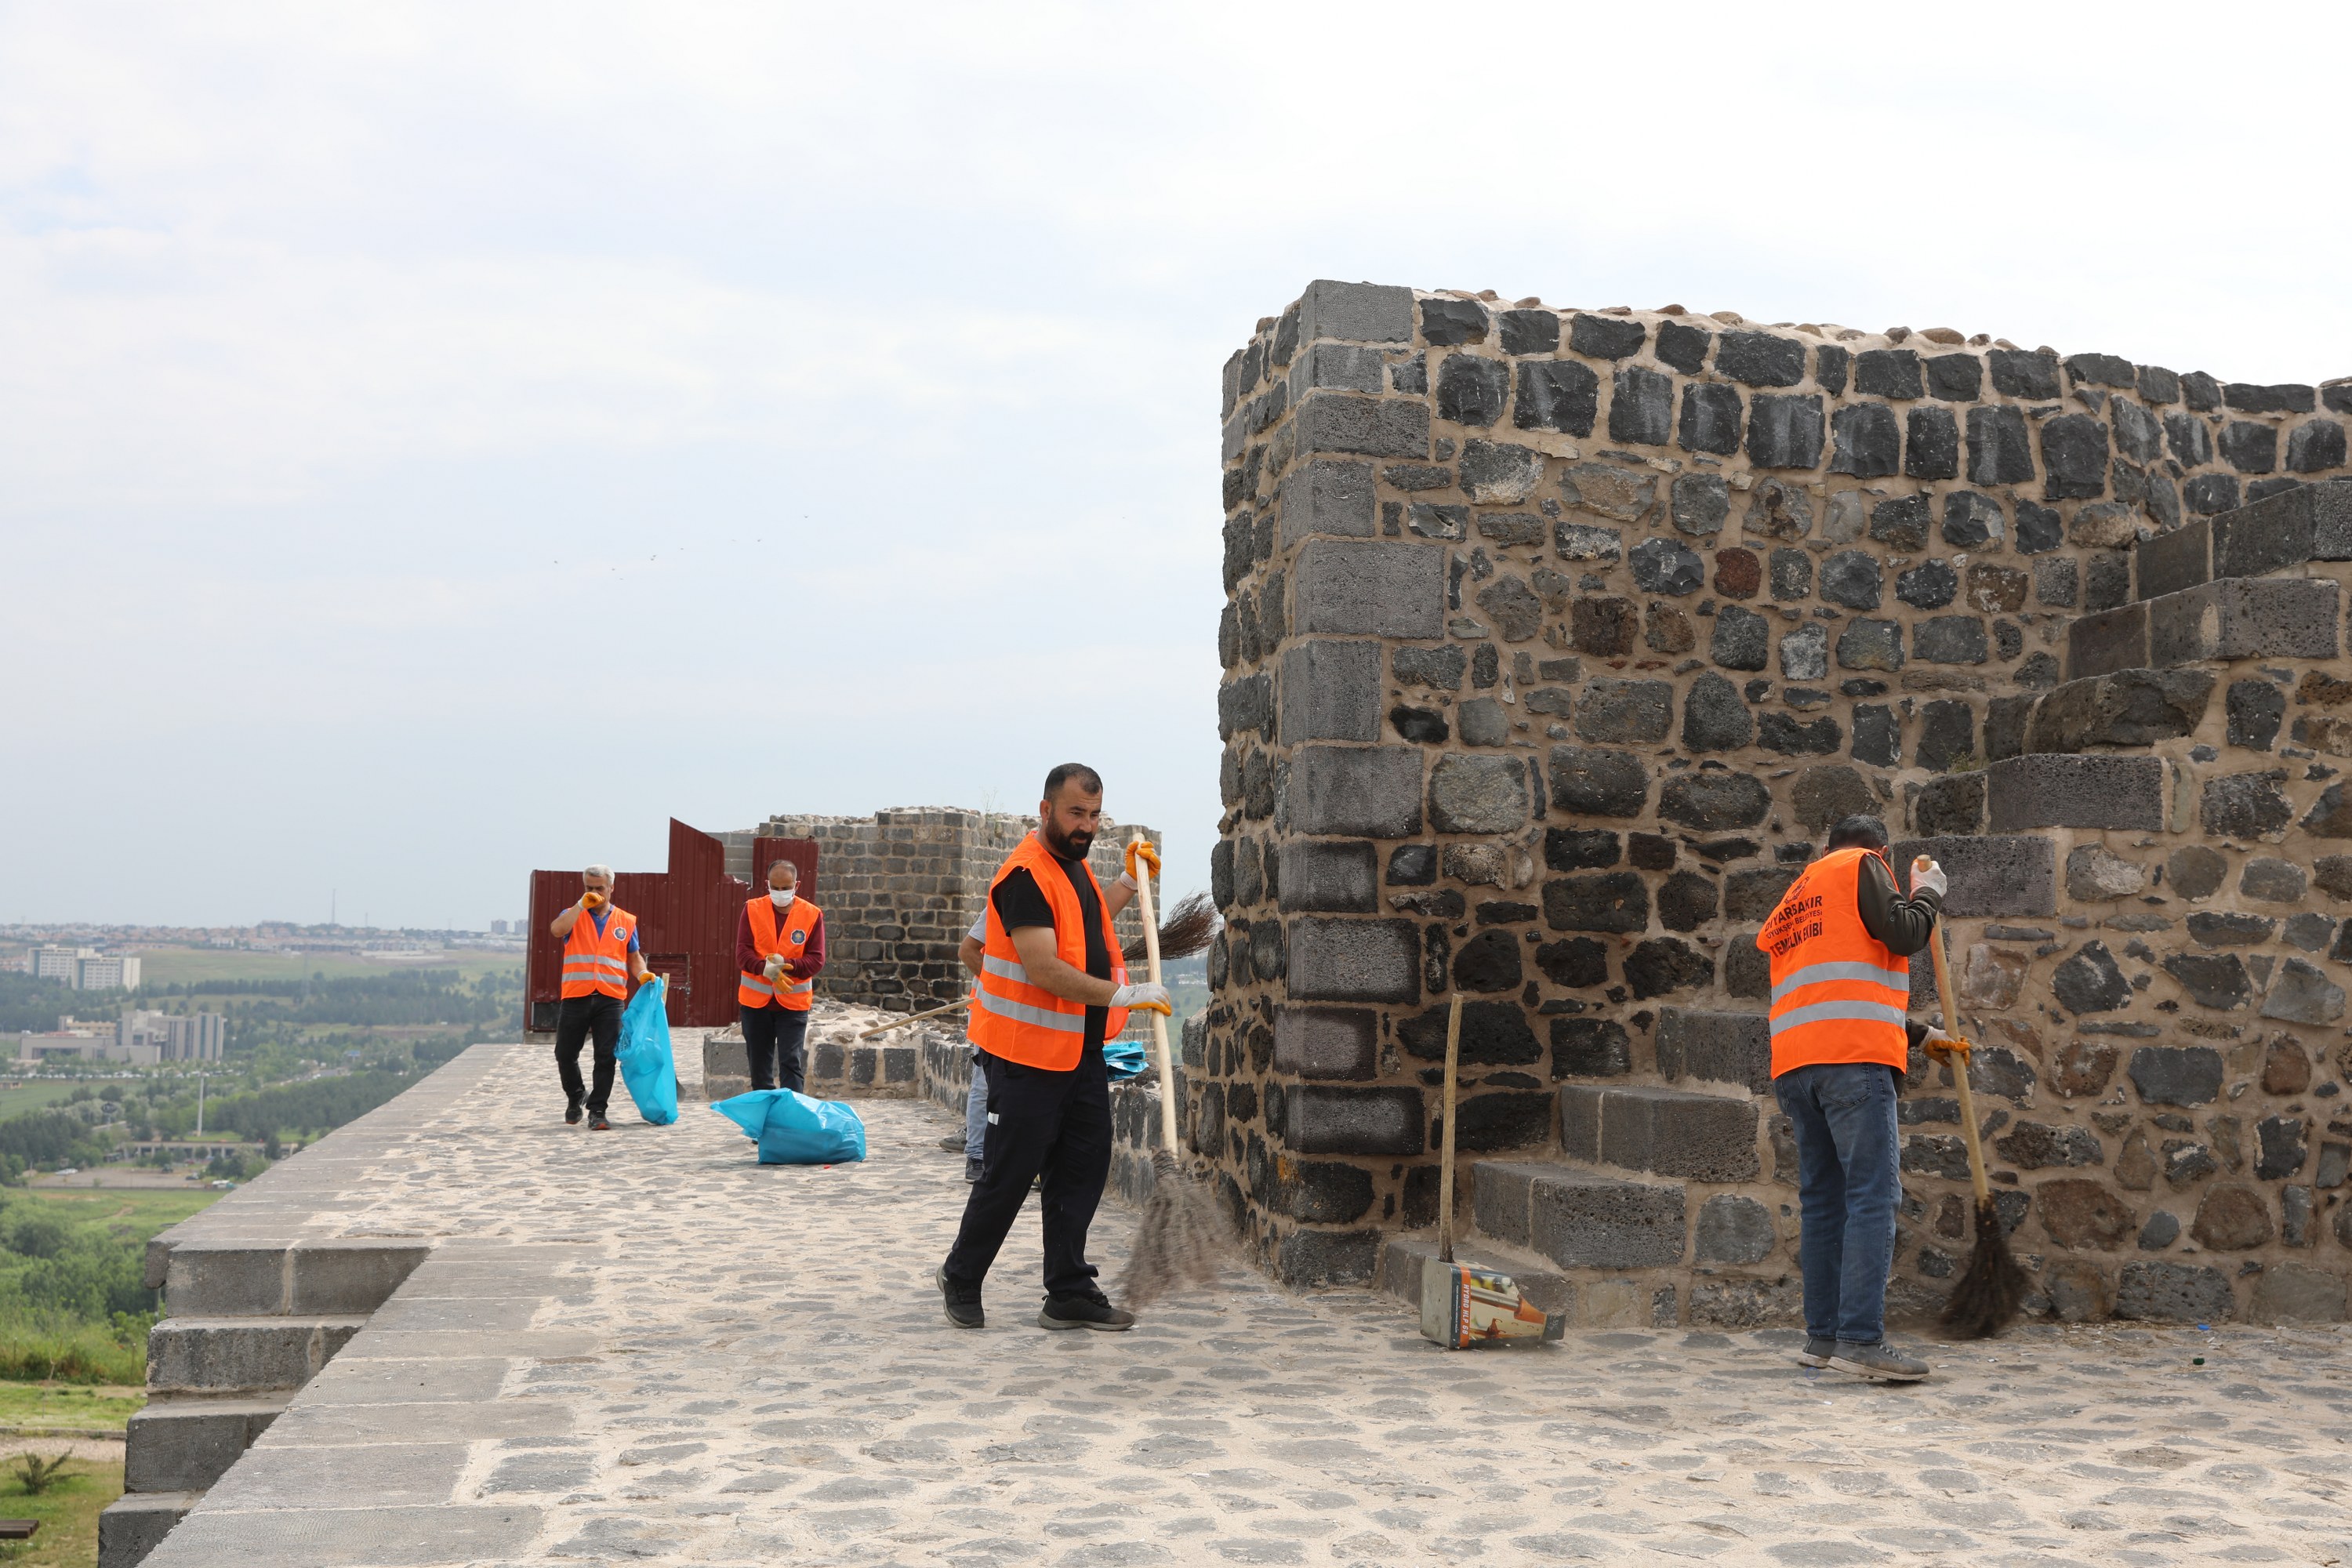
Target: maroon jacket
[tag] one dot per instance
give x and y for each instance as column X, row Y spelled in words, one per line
column 747, row 955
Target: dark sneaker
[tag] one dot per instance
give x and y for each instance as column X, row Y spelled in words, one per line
column 1879, row 1362
column 597, row 1123
column 1817, row 1352
column 572, row 1113
column 951, row 1145
column 962, row 1301
column 971, row 1170
column 1093, row 1311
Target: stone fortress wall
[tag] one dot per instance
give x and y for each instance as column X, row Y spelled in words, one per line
column 1554, row 642
column 900, row 888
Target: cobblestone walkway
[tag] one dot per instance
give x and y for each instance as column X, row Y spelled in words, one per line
column 643, row 1346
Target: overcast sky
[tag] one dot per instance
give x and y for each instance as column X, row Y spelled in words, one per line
column 436, row 442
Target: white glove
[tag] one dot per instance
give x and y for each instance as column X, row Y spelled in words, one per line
column 1146, row 996
column 1929, row 879
column 1935, row 1037
column 773, row 967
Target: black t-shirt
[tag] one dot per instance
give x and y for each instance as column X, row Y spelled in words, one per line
column 1021, row 902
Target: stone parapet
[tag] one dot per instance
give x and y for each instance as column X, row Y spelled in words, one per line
column 1556, row 641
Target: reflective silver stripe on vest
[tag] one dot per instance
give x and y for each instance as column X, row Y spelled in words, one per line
column 1822, row 974
column 1839, row 1012
column 1021, row 1013
column 804, row 987
column 754, row 983
column 594, row 966
column 1005, row 969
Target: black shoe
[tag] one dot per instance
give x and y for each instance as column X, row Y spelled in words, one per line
column 572, row 1113
column 970, row 1171
column 597, row 1123
column 962, row 1301
column 1090, row 1311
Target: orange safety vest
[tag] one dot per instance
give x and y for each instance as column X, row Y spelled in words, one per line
column 1837, row 995
column 752, row 988
column 1023, row 1023
column 597, row 965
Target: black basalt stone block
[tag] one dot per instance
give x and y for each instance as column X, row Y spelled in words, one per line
column 1603, row 901
column 1715, row 802
column 1866, row 441
column 1605, row 337
column 1682, row 347
column 2316, row 447
column 1472, row 389
column 2211, row 494
column 1711, row 418
column 1888, row 373
column 1641, row 407
column 1784, row 431
column 1931, row 450
column 1450, row 321
column 1530, row 331
column 2256, row 708
column 2248, row 448
column 2019, row 373
column 1901, row 523
column 1973, row 521
column 2248, row 398
column 2101, row 369
column 1930, row 585
column 2075, row 457
column 1830, row 364
column 1956, row 378
column 1557, row 395
column 1760, row 359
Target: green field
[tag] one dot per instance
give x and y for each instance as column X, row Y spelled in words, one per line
column 195, row 966
column 138, row 1212
column 80, row 1407
column 68, row 1510
column 32, row 1096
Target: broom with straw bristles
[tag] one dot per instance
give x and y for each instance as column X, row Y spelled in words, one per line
column 1993, row 1287
column 1180, row 1238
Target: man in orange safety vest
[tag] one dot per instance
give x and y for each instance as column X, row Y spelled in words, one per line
column 1052, row 987
column 1840, row 943
column 779, row 949
column 601, row 955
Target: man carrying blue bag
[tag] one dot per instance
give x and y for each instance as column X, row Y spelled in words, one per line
column 1052, row 987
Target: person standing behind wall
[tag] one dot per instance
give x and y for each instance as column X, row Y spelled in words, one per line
column 600, row 957
column 780, row 949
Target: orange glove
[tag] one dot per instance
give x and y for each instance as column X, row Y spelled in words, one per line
column 591, row 901
column 1140, row 850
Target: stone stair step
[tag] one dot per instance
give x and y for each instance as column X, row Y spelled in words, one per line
column 1714, row 1047
column 1660, row 1132
column 1580, row 1219
column 136, row 1522
column 229, row 1355
column 1991, row 875
column 2226, row 619
column 2124, row 708
column 2058, row 789
column 185, row 1443
column 2310, row 522
column 1398, row 1273
column 229, row 1278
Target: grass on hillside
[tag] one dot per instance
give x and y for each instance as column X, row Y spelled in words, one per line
column 195, row 966
column 33, row 1097
column 137, row 1212
column 98, row 1407
column 68, row 1510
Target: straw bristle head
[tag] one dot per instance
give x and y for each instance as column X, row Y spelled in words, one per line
column 1993, row 1287
column 1179, row 1241
column 1191, row 924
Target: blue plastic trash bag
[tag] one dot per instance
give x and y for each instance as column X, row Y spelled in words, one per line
column 647, row 1066
column 1125, row 1059
column 795, row 1129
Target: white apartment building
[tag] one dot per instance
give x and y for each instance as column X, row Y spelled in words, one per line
column 106, row 970
column 51, row 962
column 171, row 1037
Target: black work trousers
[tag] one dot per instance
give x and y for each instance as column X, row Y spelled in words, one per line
column 1053, row 1123
column 579, row 1019
column 772, row 1039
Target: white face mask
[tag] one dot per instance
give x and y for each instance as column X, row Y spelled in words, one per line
column 782, row 901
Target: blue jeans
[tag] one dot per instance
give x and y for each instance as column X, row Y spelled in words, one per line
column 1848, row 1183
column 975, row 1112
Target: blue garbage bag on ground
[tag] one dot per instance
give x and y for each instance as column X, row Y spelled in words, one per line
column 647, row 1070
column 1125, row 1059
column 795, row 1129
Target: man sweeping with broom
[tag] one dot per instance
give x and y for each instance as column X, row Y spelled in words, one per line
column 1052, row 987
column 1840, row 942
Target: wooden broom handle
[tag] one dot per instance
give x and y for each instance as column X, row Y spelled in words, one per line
column 1445, row 1166
column 913, row 1018
column 1959, row 1057
column 1159, row 1020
